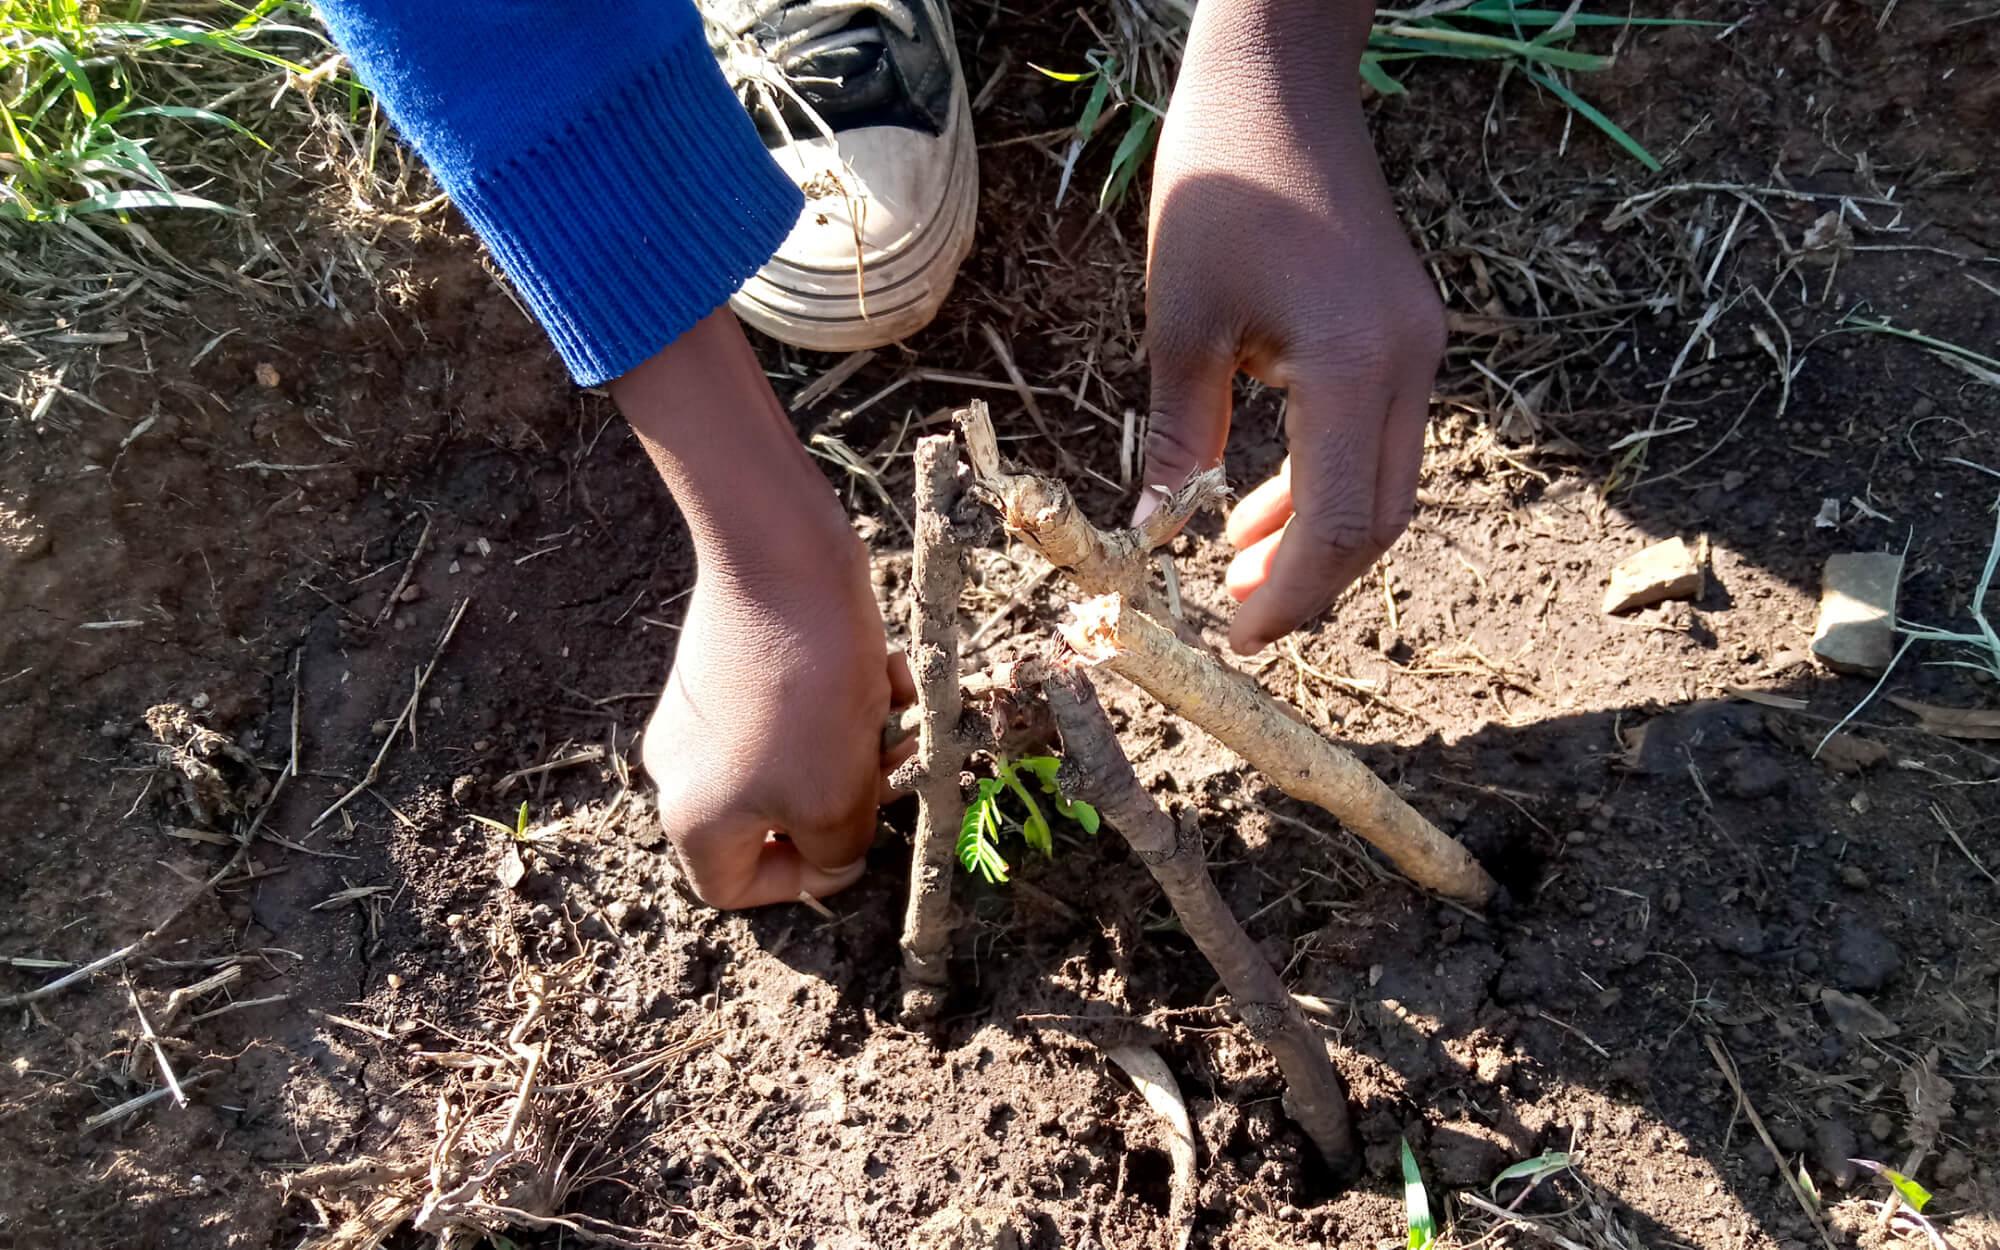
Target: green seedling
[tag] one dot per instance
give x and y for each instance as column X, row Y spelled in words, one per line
column 1416, row 1204
column 1534, row 1171
column 1914, row 1196
column 987, row 818
column 518, row 831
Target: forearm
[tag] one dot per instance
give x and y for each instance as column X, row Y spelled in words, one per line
column 1289, row 43
column 706, row 415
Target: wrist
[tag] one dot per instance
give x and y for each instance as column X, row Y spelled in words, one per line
column 755, row 505
column 1303, row 52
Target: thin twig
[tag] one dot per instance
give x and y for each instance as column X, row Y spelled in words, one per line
column 409, row 710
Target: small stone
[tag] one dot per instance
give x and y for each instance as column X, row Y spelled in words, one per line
column 268, row 376
column 411, row 593
column 592, row 1008
column 1665, row 570
column 1924, row 407
column 1881, row 1127
column 395, row 980
column 1855, row 1016
column 1857, row 612
column 1578, row 837
column 1670, row 901
column 618, row 912
column 763, row 1086
column 1863, row 958
column 1733, row 480
column 1853, row 878
column 381, row 728
column 1833, row 1145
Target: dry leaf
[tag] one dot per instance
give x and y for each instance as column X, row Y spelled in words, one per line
column 1952, row 722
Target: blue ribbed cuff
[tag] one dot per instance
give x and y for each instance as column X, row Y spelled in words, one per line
column 637, row 218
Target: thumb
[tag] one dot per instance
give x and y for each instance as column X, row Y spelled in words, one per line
column 1188, row 423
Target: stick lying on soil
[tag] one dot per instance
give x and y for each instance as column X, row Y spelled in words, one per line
column 1096, row 770
column 1194, row 683
column 941, row 752
column 1198, row 686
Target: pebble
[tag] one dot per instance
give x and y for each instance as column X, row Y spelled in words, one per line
column 1856, row 632
column 1665, row 570
column 1833, row 1145
column 1863, row 958
column 1853, row 878
column 1924, row 407
column 1881, row 1127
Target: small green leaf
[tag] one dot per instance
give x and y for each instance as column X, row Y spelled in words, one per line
column 491, row 823
column 1093, row 108
column 1375, row 76
column 1914, row 1194
column 185, row 113
column 1131, row 153
column 1080, row 812
column 125, row 201
column 1416, row 1204
column 521, row 822
column 1594, row 117
column 79, row 82
column 1063, row 75
column 1535, row 1170
column 1044, row 767
column 975, row 845
column 1806, row 1185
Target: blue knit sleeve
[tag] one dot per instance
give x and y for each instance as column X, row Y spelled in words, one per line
column 595, row 147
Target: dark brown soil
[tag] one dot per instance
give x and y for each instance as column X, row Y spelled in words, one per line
column 1679, row 866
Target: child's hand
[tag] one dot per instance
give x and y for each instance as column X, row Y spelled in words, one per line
column 772, row 724
column 1275, row 249
column 772, row 718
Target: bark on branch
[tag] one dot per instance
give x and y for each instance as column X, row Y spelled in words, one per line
column 941, row 752
column 1043, row 513
column 1296, row 759
column 1096, row 770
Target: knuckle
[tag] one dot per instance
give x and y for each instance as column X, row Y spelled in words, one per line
column 1169, row 446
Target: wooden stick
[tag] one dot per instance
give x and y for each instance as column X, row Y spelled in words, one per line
column 1198, row 686
column 1096, row 770
column 939, row 574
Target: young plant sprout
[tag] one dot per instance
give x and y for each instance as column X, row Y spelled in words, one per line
column 986, row 819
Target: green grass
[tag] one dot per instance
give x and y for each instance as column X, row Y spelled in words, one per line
column 1507, row 33
column 92, row 94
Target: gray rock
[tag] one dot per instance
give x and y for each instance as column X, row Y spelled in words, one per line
column 1857, row 612
column 1863, row 959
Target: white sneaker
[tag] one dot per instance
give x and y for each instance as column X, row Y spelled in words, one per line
column 863, row 103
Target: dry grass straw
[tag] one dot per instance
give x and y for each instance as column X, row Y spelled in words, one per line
column 318, row 205
column 521, row 1124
